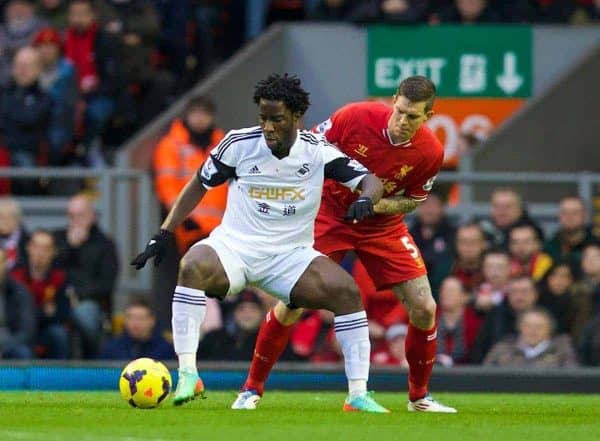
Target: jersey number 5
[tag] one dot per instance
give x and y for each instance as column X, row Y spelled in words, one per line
column 414, row 252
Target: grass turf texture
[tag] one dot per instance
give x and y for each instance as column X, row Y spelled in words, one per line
column 289, row 416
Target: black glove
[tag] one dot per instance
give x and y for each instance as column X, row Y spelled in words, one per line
column 360, row 209
column 156, row 247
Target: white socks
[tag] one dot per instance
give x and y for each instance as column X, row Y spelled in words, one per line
column 352, row 333
column 189, row 308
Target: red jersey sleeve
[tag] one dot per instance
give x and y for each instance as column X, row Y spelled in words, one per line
column 429, row 167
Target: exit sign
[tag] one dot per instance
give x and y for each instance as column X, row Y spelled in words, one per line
column 462, row 61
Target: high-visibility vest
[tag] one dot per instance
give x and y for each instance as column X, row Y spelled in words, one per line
column 176, row 161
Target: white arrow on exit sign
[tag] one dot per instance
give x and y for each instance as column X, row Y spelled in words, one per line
column 510, row 80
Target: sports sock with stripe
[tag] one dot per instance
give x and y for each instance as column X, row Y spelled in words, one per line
column 352, row 333
column 189, row 308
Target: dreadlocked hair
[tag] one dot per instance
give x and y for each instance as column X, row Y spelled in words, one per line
column 284, row 88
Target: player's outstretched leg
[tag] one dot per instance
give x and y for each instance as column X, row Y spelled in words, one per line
column 271, row 341
column 421, row 344
column 325, row 285
column 200, row 270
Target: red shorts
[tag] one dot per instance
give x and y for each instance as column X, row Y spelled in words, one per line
column 389, row 254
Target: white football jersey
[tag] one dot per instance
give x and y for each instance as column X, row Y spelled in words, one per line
column 272, row 203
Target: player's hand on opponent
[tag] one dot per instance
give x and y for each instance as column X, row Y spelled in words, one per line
column 360, row 209
column 156, row 247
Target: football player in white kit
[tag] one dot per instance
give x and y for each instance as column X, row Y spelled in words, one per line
column 275, row 173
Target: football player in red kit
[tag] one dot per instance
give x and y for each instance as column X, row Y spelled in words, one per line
column 405, row 154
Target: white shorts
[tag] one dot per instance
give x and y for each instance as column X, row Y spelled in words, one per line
column 276, row 274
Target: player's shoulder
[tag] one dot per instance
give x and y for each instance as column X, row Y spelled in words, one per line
column 244, row 133
column 362, row 109
column 314, row 140
column 428, row 143
column 245, row 137
column 310, row 137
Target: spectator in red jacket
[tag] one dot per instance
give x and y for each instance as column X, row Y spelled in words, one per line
column 95, row 54
column 394, row 352
column 458, row 324
column 47, row 284
column 470, row 245
column 496, row 275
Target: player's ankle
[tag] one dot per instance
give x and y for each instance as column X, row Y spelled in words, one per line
column 417, row 393
column 257, row 387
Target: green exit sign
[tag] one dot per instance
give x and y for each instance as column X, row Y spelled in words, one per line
column 462, row 61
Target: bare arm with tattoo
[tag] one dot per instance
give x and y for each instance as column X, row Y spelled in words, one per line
column 395, row 205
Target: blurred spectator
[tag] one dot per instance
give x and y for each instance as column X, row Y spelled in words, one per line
column 534, row 346
column 59, row 80
column 13, row 236
column 466, row 11
column 470, row 245
column 588, row 347
column 391, row 11
column 586, row 292
column 557, row 297
column 552, row 11
column 178, row 156
column 236, row 340
column 17, row 316
column 96, row 56
column 382, row 307
column 457, row 324
column 313, row 338
column 500, row 322
column 140, row 338
column 432, row 231
column 334, row 10
column 285, row 10
column 90, row 259
column 587, row 11
column 394, row 352
column 20, row 25
column 25, row 111
column 53, row 12
column 507, row 210
column 136, row 24
column 48, row 285
column 572, row 234
column 527, row 258
column 496, row 275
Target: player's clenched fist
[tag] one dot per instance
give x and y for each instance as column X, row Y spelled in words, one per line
column 156, row 247
column 360, row 209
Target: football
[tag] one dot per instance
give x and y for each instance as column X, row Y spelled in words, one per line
column 145, row 383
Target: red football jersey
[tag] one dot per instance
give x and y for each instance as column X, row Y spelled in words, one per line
column 408, row 169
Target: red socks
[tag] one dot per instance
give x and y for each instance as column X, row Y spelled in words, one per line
column 270, row 344
column 420, row 349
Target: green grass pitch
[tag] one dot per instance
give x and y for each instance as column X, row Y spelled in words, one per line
column 290, row 416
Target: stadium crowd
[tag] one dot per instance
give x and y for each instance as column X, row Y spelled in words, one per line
column 78, row 77
column 507, row 294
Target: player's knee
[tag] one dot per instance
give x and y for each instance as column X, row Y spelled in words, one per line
column 193, row 271
column 423, row 313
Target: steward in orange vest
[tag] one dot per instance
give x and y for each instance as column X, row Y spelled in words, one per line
column 178, row 156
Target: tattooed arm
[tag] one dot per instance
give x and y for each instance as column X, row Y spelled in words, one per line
column 395, row 205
